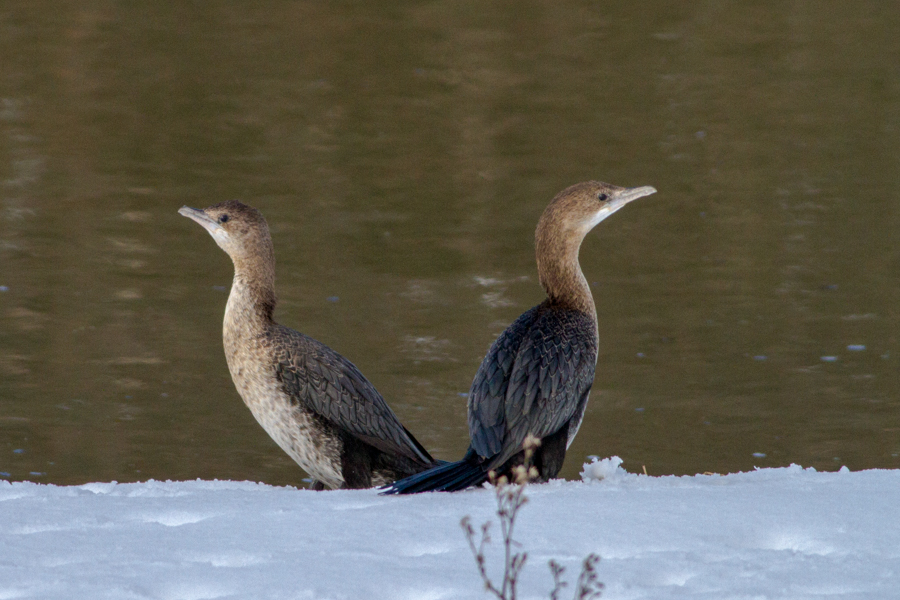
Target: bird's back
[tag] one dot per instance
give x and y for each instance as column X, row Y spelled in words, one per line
column 534, row 380
column 324, row 381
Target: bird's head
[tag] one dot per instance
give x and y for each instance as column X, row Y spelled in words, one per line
column 579, row 208
column 240, row 230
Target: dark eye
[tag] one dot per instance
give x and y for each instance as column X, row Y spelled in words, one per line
column 602, row 197
column 223, row 219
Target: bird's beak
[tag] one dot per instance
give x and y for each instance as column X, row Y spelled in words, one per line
column 622, row 198
column 618, row 200
column 200, row 217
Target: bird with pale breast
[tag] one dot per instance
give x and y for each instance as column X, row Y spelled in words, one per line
column 313, row 402
column 536, row 377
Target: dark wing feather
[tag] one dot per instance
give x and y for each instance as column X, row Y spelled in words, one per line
column 553, row 373
column 323, row 381
column 534, row 379
column 487, row 415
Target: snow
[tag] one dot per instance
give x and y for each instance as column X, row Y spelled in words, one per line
column 771, row 533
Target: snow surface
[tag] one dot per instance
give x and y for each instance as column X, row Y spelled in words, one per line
column 772, row 533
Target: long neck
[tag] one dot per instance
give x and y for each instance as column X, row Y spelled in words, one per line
column 252, row 298
column 558, row 268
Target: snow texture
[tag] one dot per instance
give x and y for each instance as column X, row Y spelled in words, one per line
column 772, row 533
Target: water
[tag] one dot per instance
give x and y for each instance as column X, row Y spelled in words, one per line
column 402, row 153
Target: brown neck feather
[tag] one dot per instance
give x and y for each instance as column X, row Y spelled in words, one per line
column 556, row 247
column 253, row 291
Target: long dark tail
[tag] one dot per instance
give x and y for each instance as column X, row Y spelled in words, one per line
column 449, row 477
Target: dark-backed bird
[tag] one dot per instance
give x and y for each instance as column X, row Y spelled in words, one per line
column 536, row 377
column 312, row 401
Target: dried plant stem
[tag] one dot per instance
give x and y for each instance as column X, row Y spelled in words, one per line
column 510, row 498
column 588, row 587
column 558, row 584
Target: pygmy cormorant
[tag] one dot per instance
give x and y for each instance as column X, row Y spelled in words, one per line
column 537, row 375
column 312, row 401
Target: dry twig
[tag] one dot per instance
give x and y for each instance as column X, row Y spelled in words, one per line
column 511, row 498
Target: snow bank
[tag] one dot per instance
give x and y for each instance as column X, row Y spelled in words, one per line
column 772, row 533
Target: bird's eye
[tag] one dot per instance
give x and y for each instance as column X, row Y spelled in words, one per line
column 602, row 197
column 223, row 219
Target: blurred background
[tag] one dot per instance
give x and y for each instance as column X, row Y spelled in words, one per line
column 402, row 153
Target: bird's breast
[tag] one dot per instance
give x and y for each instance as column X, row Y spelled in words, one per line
column 293, row 426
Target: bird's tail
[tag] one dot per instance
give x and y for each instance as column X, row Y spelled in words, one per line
column 448, row 477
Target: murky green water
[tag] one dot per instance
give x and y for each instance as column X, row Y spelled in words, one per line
column 402, row 154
